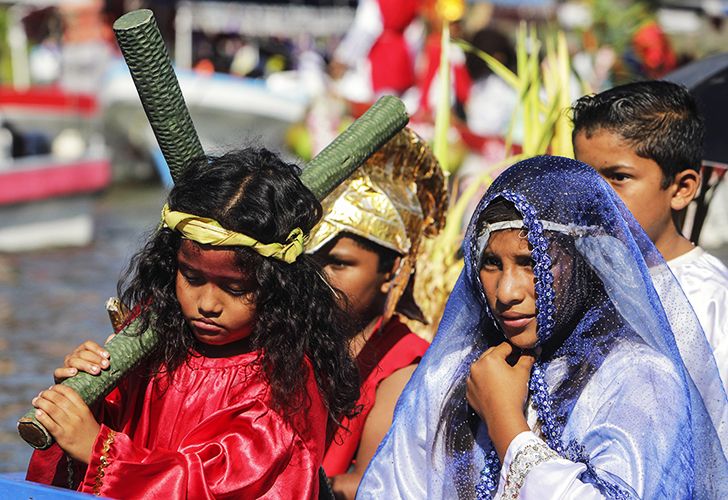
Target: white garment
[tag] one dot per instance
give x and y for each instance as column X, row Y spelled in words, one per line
column 362, row 34
column 490, row 106
column 704, row 279
column 557, row 478
column 713, row 233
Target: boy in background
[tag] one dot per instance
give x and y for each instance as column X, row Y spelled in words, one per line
column 646, row 140
column 367, row 242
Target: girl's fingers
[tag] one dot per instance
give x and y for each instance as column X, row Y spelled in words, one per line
column 69, row 394
column 56, row 401
column 109, row 338
column 502, row 350
column 526, row 361
column 92, row 346
column 487, row 352
column 89, row 355
column 47, row 421
column 86, row 361
column 492, row 354
column 61, row 374
column 86, row 366
column 47, row 404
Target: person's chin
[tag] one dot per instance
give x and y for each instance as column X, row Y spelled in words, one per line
column 221, row 337
column 522, row 340
column 211, row 339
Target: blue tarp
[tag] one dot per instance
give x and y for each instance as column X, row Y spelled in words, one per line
column 13, row 486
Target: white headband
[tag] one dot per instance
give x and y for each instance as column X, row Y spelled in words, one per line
column 570, row 229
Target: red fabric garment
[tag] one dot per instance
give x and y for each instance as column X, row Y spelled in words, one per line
column 391, row 63
column 388, row 350
column 212, row 433
column 654, row 50
column 460, row 78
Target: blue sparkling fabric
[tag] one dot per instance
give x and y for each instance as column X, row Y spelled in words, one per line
column 627, row 384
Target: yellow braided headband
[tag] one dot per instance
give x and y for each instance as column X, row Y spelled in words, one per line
column 210, row 232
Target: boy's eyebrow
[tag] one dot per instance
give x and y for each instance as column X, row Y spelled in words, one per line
column 618, row 166
column 338, row 255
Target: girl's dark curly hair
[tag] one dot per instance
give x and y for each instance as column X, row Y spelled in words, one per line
column 252, row 191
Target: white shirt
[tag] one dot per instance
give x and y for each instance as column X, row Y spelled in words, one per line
column 490, row 106
column 704, row 279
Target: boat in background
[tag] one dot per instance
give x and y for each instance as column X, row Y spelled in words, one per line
column 52, row 161
column 228, row 112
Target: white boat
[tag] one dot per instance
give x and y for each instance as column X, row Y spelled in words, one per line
column 228, row 112
column 47, row 177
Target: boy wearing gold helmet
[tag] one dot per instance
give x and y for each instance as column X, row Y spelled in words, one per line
column 368, row 242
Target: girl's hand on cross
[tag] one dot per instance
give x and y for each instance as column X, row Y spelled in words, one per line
column 69, row 420
column 89, row 357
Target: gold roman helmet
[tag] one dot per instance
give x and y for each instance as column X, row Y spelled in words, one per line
column 394, row 199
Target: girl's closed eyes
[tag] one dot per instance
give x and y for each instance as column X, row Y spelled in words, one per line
column 253, row 367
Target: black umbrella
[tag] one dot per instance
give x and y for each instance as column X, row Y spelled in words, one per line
column 707, row 80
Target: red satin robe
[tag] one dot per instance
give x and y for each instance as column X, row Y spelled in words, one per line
column 390, row 349
column 212, row 434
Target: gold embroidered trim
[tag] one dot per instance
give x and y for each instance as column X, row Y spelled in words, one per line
column 528, row 457
column 104, row 462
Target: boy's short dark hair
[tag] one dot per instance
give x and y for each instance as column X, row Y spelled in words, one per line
column 659, row 119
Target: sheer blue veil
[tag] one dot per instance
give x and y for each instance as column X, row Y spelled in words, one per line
column 626, row 383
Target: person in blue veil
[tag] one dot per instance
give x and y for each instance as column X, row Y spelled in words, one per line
column 574, row 388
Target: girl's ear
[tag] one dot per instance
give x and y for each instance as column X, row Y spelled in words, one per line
column 685, row 186
column 389, row 276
